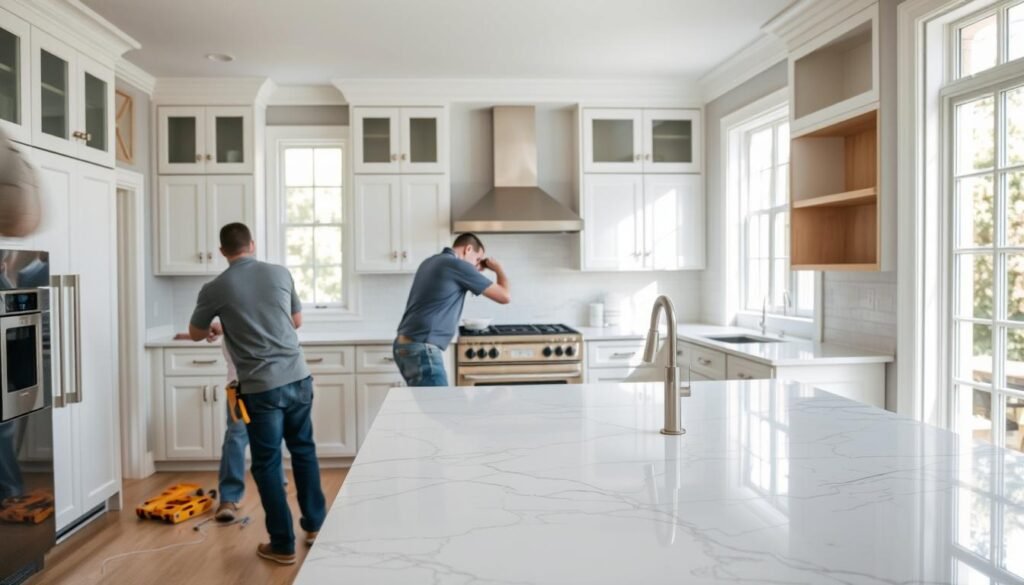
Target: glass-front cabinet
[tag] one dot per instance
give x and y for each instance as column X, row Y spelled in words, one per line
column 72, row 102
column 215, row 140
column 15, row 58
column 629, row 140
column 400, row 140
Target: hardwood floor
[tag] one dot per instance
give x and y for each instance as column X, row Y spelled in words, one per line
column 218, row 555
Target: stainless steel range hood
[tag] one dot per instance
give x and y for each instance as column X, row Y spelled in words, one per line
column 516, row 204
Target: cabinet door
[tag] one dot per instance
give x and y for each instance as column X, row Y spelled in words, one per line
column 424, row 140
column 612, row 141
column 613, row 222
column 181, row 214
column 228, row 140
column 54, row 91
column 56, row 182
column 93, row 236
column 95, row 112
column 181, row 140
column 188, row 429
column 426, row 218
column 228, row 199
column 373, row 389
column 66, row 466
column 377, row 221
column 15, row 78
column 377, row 143
column 672, row 141
column 673, row 222
column 334, row 415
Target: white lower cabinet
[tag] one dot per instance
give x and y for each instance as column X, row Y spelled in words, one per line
column 334, row 415
column 191, row 415
column 371, row 391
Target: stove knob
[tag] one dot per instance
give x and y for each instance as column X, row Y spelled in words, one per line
column 481, row 353
column 558, row 351
column 547, row 352
column 570, row 351
column 493, row 353
column 470, row 353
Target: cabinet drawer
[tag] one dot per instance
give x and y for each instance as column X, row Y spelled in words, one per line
column 194, row 362
column 330, row 359
column 696, row 377
column 375, row 359
column 709, row 362
column 741, row 369
column 615, row 354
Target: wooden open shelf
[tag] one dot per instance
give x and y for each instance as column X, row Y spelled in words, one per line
column 855, row 197
column 834, row 196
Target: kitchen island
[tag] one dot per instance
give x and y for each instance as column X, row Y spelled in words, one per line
column 772, row 483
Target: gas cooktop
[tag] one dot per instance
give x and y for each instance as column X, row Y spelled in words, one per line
column 518, row 330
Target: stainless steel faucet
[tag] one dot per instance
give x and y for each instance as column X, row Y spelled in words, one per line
column 672, row 391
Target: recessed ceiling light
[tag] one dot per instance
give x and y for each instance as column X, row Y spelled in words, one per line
column 220, row 57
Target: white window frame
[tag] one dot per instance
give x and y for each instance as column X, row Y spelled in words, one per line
column 1000, row 9
column 735, row 128
column 279, row 138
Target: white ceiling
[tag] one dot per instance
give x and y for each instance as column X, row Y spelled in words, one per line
column 313, row 41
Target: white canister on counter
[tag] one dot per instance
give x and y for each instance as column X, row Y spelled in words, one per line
column 596, row 314
column 613, row 309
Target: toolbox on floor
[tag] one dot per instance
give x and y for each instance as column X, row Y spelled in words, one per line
column 31, row 508
column 177, row 503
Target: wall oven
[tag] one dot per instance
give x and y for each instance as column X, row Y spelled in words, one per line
column 22, row 360
column 515, row 355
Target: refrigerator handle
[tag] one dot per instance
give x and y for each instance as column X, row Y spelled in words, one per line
column 57, row 340
column 77, row 279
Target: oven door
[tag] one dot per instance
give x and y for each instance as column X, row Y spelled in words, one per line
column 21, row 364
column 520, row 374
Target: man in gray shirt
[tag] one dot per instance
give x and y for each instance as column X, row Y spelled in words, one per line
column 435, row 305
column 259, row 311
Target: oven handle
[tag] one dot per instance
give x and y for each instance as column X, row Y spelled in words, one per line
column 57, row 340
column 545, row 376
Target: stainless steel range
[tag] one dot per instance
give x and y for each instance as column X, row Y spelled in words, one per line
column 504, row 355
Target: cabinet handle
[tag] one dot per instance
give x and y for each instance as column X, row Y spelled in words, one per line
column 743, row 376
column 87, row 136
column 647, row 156
column 388, row 359
column 316, row 360
column 206, row 393
column 403, row 156
column 646, row 254
column 203, row 362
column 637, row 157
column 623, row 355
column 209, row 157
column 209, row 256
column 405, row 255
column 215, row 392
column 199, row 157
column 394, row 256
column 703, row 361
column 394, row 157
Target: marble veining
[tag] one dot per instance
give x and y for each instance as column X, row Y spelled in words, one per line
column 773, row 483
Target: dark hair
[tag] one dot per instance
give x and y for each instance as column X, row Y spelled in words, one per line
column 468, row 239
column 235, row 238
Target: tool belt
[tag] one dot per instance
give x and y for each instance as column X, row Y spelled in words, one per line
column 236, row 408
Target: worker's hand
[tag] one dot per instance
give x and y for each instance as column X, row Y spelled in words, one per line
column 216, row 330
column 490, row 264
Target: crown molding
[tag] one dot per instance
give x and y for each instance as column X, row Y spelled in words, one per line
column 647, row 92
column 306, row 95
column 803, row 20
column 77, row 24
column 134, row 75
column 742, row 65
column 212, row 91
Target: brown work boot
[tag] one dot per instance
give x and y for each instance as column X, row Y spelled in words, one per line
column 311, row 537
column 265, row 551
column 226, row 512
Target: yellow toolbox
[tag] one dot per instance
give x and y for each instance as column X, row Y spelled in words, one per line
column 177, row 503
column 31, row 508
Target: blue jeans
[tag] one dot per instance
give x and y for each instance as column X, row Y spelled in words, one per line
column 232, row 462
column 284, row 413
column 421, row 364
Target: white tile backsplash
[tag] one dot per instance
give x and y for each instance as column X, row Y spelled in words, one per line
column 860, row 309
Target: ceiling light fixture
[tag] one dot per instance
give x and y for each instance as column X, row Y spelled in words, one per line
column 220, row 57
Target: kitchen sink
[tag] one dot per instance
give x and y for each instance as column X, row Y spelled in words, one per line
column 741, row 339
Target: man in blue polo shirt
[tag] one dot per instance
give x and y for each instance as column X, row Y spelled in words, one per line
column 435, row 305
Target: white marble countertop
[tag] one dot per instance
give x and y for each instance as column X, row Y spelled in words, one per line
column 773, row 483
column 790, row 351
column 341, row 337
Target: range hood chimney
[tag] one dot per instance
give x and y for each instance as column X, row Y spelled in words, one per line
column 516, row 205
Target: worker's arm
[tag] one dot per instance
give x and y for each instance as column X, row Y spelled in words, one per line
column 211, row 333
column 201, row 325
column 498, row 292
column 297, row 320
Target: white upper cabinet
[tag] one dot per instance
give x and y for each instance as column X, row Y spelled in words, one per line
column 404, row 219
column 214, row 140
column 613, row 141
column 623, row 140
column 643, row 222
column 72, row 102
column 400, row 140
column 671, row 141
column 15, row 78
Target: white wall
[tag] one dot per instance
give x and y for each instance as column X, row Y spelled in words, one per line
column 543, row 269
